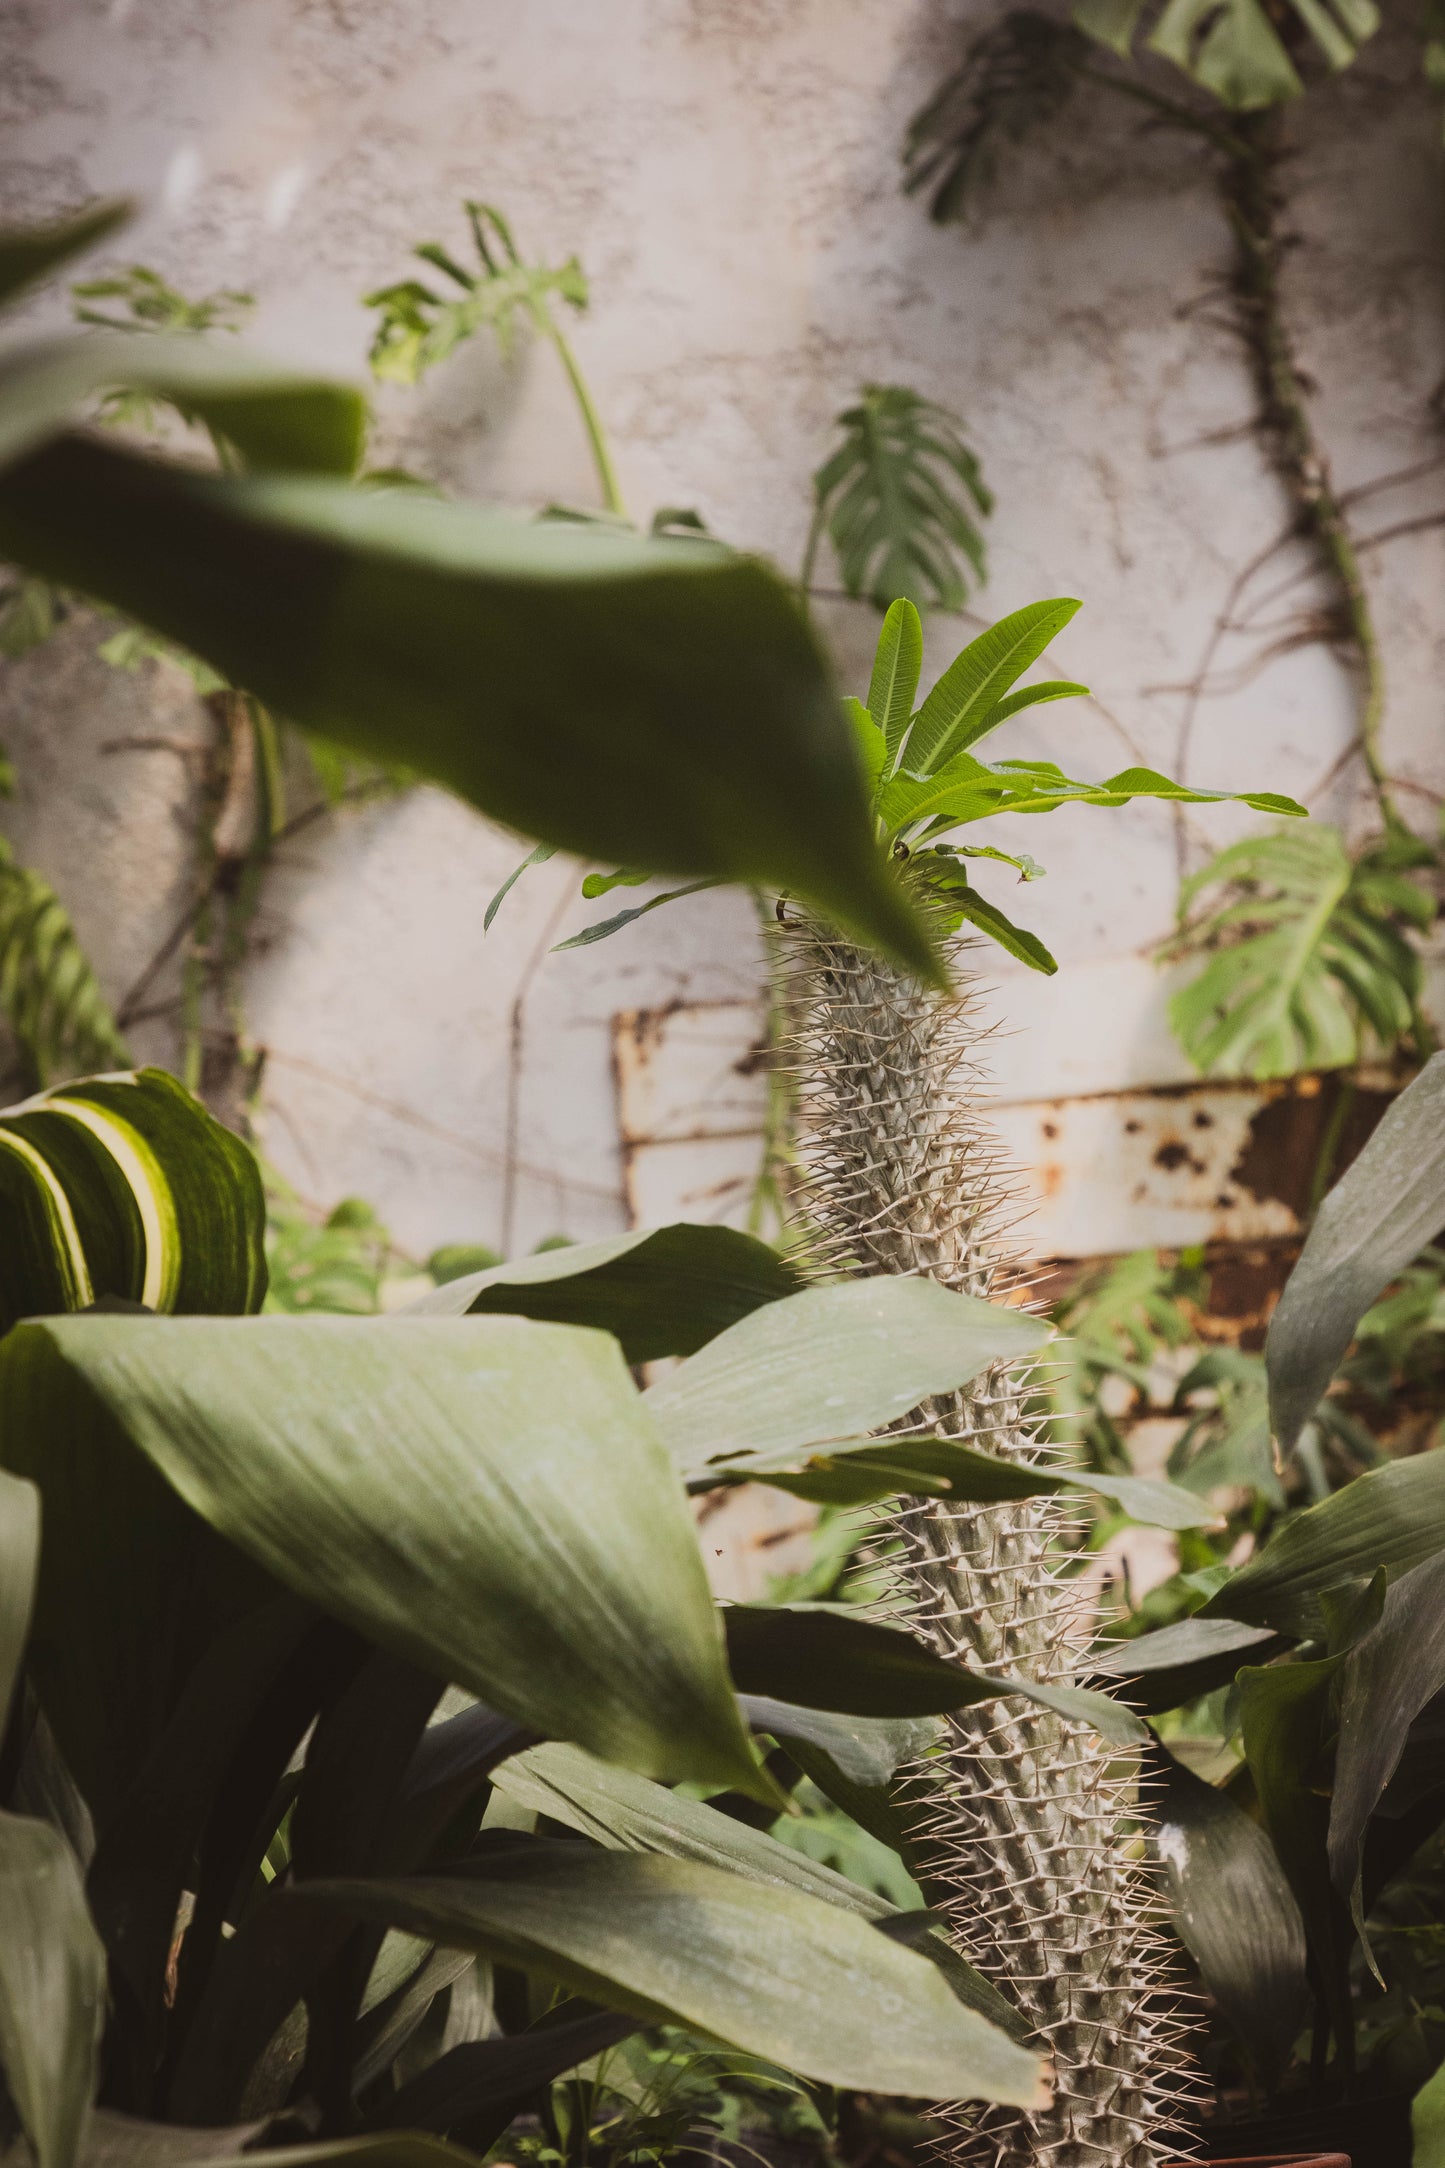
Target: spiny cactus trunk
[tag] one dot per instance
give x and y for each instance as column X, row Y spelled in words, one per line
column 1027, row 1821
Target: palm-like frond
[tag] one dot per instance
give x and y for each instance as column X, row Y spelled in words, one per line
column 1307, row 957
column 900, row 500
column 49, row 992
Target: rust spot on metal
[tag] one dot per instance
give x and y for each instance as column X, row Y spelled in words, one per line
column 1051, row 1130
column 1203, row 1120
column 1285, row 1137
column 1132, row 1129
column 1050, row 1180
column 1171, row 1154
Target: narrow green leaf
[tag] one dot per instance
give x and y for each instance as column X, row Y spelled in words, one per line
column 406, row 628
column 771, row 1970
column 29, row 254
column 894, row 683
column 856, row 1471
column 539, row 857
column 462, row 1490
column 52, row 1989
column 1391, row 1517
column 989, row 919
column 660, row 1291
column 830, row 1362
column 1175, row 1664
column 822, row 1658
column 956, row 711
column 1378, row 1217
column 606, row 927
column 1235, row 1913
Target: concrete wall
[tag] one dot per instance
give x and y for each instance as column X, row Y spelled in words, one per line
column 728, row 172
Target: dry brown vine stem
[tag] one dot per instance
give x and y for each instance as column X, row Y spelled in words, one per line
column 1029, row 1823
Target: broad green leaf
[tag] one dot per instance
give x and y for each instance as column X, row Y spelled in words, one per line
column 19, row 1562
column 956, row 712
column 29, row 254
column 823, row 1658
column 1284, row 1716
column 856, row 1471
column 280, row 420
column 770, row 1970
column 462, row 1490
column 868, row 1750
column 662, row 1291
column 1391, row 1517
column 1305, row 954
column 1032, row 696
column 1378, row 1217
column 624, row 1812
column 1235, row 1913
column 830, row 1362
column 1231, row 49
column 117, row 1626
column 537, row 670
column 126, row 1186
column 1427, row 2123
column 1385, row 1681
column 894, row 683
column 52, row 999
column 1111, row 22
column 123, row 2141
column 1175, row 1664
column 52, row 1989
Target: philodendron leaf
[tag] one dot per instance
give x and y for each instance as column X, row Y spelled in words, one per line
column 537, row 670
column 479, row 2086
column 29, row 254
column 828, row 1363
column 663, row 1291
column 1391, row 1517
column 125, row 1185
column 1236, row 1914
column 770, row 1970
column 279, row 419
column 1385, row 1681
column 52, row 1989
column 825, row 1658
column 466, row 1491
column 1378, row 1217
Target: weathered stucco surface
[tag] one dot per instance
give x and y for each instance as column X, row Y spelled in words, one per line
column 728, row 172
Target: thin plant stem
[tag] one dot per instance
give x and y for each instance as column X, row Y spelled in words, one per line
column 591, row 419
